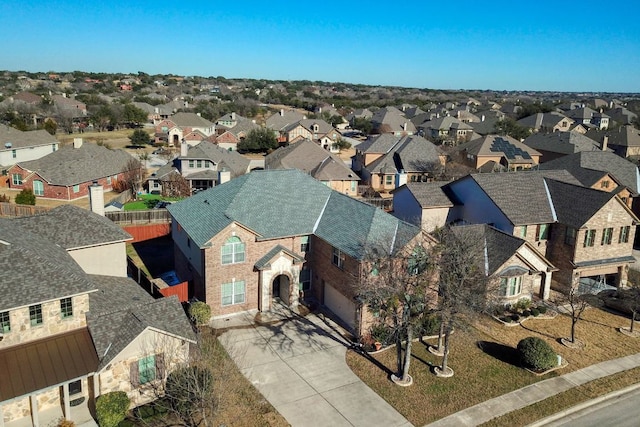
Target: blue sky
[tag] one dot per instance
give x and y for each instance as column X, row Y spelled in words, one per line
column 501, row 45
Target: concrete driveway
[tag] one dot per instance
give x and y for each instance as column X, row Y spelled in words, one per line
column 299, row 367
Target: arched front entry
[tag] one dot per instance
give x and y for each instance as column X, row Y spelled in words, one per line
column 281, row 288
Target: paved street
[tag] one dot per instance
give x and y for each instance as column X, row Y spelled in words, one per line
column 299, row 366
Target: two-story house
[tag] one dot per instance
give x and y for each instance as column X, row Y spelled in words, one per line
column 17, row 146
column 73, row 326
column 498, row 153
column 279, row 234
column 385, row 161
column 190, row 127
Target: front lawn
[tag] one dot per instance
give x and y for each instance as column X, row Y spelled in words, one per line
column 147, row 201
column 484, row 374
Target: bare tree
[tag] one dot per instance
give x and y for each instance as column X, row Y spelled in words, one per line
column 577, row 298
column 395, row 287
column 464, row 287
column 631, row 298
column 175, row 185
column 133, row 175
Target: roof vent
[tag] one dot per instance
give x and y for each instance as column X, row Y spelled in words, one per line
column 7, row 145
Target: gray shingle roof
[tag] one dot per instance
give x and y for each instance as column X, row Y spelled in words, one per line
column 499, row 246
column 590, row 166
column 70, row 166
column 265, row 261
column 72, row 227
column 282, row 119
column 309, row 157
column 236, row 163
column 430, row 194
column 574, row 204
column 411, row 153
column 19, row 139
column 190, row 120
column 35, row 269
column 561, row 142
column 277, row 203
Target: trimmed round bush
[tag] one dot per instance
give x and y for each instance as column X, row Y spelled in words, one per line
column 200, row 312
column 535, row 312
column 536, row 354
column 542, row 309
column 111, row 408
column 515, row 317
column 526, row 313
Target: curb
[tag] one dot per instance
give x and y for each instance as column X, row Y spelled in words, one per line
column 583, row 405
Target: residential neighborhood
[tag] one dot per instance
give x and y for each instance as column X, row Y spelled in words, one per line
column 309, row 222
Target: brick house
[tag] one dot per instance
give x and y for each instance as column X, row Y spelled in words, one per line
column 67, row 173
column 190, row 127
column 315, row 130
column 17, row 146
column 73, row 326
column 279, row 234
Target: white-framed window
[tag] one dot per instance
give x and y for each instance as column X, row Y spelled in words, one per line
column 108, row 180
column 66, row 308
column 511, row 286
column 304, row 244
column 76, row 188
column 16, row 179
column 35, row 315
column 192, row 163
column 305, row 279
column 233, row 293
column 523, row 231
column 624, row 234
column 53, row 148
column 232, row 251
column 38, row 188
column 388, row 179
column 589, row 238
column 5, row 322
column 607, row 236
column 542, row 232
column 75, row 387
column 199, row 164
column 14, row 153
column 338, row 258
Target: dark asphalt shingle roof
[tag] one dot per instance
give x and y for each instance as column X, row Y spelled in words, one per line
column 70, row 166
column 265, row 261
column 72, row 227
column 561, row 142
column 575, row 204
column 430, row 194
column 236, row 163
column 499, row 246
column 19, row 139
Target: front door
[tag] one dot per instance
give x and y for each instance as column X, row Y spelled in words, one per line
column 280, row 288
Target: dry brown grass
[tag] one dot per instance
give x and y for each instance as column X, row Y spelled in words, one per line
column 481, row 375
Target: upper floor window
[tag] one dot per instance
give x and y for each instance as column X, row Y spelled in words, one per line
column 233, row 251
column 338, row 258
column 624, row 234
column 66, row 308
column 542, row 232
column 53, row 148
column 570, row 236
column 76, row 188
column 304, row 244
column 35, row 315
column 523, row 231
column 388, row 180
column 192, row 163
column 511, row 286
column 16, row 179
column 5, row 322
column 14, row 153
column 607, row 234
column 604, row 184
column 589, row 238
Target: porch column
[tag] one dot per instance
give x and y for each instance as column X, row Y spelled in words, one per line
column 546, row 286
column 34, row 410
column 67, row 405
column 623, row 275
column 96, row 385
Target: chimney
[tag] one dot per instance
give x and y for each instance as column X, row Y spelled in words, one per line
column 224, row 176
column 184, row 148
column 605, row 142
column 404, row 126
column 77, row 142
column 96, row 198
column 281, row 112
column 233, row 116
column 401, row 178
column 199, row 114
column 482, row 118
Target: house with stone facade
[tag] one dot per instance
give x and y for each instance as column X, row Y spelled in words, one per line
column 67, row 173
column 73, row 326
column 279, row 235
column 497, row 153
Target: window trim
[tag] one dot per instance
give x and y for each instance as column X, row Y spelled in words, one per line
column 509, row 286
column 147, row 369
column 589, row 238
column 66, row 308
column 337, row 258
column 607, row 236
column 233, row 293
column 35, row 315
column 623, row 237
column 305, row 243
column 40, row 190
column 16, row 179
column 5, row 322
column 542, row 232
column 233, row 251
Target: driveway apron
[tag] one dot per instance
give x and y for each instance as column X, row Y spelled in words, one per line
column 299, row 367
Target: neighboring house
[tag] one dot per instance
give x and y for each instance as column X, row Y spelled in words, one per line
column 582, row 231
column 558, row 144
column 522, row 271
column 279, row 234
column 315, row 130
column 67, row 173
column 428, row 205
column 204, row 165
column 279, row 121
column 601, row 170
column 498, row 153
column 17, row 146
column 622, row 116
column 447, row 129
column 190, row 127
column 547, row 122
column 73, row 326
column 589, row 117
column 229, row 137
column 360, row 113
column 70, row 106
column 322, row 165
column 386, row 161
column 390, row 120
column 488, row 121
column 154, row 113
column 625, row 141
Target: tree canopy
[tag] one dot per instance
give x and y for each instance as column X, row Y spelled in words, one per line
column 259, row 140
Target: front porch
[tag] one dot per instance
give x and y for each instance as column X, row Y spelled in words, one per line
column 80, row 415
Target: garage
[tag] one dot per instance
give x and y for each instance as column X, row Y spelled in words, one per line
column 341, row 306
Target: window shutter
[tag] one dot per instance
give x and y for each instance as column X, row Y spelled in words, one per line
column 134, row 374
column 160, row 366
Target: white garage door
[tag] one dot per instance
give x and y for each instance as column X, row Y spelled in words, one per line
column 340, row 305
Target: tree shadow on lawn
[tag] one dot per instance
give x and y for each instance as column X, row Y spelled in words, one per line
column 502, row 352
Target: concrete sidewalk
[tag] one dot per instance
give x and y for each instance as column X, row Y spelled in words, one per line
column 517, row 399
column 299, row 367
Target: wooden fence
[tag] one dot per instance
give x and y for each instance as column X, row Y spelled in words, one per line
column 11, row 209
column 139, row 217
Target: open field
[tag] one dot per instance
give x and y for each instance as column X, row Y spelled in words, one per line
column 483, row 373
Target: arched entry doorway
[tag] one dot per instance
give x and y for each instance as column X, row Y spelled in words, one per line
column 281, row 288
